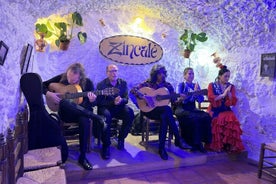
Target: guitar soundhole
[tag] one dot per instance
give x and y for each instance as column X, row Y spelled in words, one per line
column 158, row 97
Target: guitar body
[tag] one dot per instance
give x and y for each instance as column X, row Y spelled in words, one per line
column 152, row 95
column 63, row 89
column 74, row 94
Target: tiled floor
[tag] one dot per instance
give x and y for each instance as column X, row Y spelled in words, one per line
column 219, row 172
column 137, row 165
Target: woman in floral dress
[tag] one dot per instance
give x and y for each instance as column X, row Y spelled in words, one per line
column 226, row 129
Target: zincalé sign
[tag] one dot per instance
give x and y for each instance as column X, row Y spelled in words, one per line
column 130, row 49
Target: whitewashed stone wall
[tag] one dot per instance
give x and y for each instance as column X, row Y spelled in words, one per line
column 239, row 31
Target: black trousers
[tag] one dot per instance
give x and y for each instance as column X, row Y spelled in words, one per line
column 69, row 113
column 165, row 115
column 195, row 126
column 124, row 113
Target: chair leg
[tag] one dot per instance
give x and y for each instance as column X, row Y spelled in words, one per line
column 142, row 121
column 147, row 133
column 261, row 160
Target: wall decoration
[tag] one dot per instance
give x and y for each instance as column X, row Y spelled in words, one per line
column 26, row 59
column 129, row 49
column 268, row 65
column 3, row 52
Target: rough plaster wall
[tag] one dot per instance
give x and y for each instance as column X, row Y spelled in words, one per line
column 239, row 31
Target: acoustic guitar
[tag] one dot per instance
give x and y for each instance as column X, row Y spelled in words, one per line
column 74, row 92
column 149, row 98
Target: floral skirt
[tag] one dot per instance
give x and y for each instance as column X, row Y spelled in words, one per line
column 226, row 133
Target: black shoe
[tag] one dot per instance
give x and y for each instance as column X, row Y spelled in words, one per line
column 163, row 154
column 105, row 152
column 194, row 148
column 85, row 164
column 198, row 147
column 182, row 144
column 202, row 149
column 121, row 145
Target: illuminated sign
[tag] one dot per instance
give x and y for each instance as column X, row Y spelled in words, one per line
column 132, row 50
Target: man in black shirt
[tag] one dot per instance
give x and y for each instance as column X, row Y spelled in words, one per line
column 74, row 76
column 114, row 107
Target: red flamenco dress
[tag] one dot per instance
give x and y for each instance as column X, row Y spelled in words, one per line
column 226, row 129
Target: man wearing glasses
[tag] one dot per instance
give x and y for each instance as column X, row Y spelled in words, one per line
column 114, row 107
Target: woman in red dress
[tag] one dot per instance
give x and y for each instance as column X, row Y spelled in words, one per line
column 226, row 129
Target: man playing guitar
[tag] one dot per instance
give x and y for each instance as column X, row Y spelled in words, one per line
column 74, row 75
column 163, row 113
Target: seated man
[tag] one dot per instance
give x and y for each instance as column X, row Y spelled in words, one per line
column 74, row 75
column 114, row 107
column 163, row 113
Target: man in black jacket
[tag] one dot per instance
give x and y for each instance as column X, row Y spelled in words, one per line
column 114, row 107
column 74, row 76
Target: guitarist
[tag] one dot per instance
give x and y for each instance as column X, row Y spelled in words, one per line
column 195, row 125
column 164, row 114
column 74, row 74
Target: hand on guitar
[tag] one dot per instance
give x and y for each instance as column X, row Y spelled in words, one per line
column 149, row 101
column 54, row 97
column 91, row 96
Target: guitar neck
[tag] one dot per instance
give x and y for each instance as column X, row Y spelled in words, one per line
column 164, row 97
column 82, row 94
column 158, row 97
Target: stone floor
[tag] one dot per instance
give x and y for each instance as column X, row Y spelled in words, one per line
column 137, row 165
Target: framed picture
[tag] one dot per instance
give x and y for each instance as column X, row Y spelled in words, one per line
column 268, row 65
column 3, row 52
column 26, row 59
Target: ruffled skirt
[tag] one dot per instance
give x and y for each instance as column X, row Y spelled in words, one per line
column 226, row 133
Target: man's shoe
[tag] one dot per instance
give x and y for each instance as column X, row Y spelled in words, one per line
column 85, row 164
column 163, row 154
column 121, row 145
column 202, row 149
column 198, row 147
column 194, row 149
column 105, row 152
column 182, row 144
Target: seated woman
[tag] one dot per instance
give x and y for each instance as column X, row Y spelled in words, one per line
column 225, row 126
column 195, row 124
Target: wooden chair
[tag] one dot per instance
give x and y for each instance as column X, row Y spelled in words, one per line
column 203, row 105
column 15, row 149
column 114, row 131
column 146, row 124
column 31, row 166
column 3, row 160
column 267, row 159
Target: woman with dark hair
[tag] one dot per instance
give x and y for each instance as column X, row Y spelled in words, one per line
column 74, row 75
column 226, row 129
column 195, row 125
column 162, row 113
